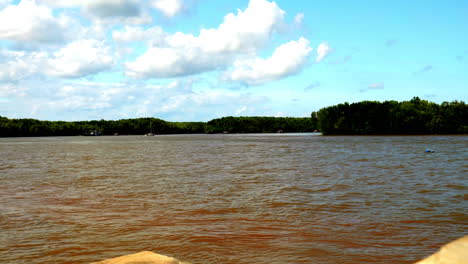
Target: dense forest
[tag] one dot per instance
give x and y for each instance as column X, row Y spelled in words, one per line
column 260, row 124
column 141, row 126
column 391, row 118
column 364, row 118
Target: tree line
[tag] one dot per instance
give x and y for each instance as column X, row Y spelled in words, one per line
column 141, row 126
column 137, row 126
column 260, row 124
column 363, row 118
column 392, row 118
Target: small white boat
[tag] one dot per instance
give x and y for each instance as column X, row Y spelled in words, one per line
column 150, row 134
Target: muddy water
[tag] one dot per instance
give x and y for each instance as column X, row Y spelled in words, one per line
column 232, row 198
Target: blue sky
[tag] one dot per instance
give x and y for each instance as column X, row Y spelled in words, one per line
column 195, row 60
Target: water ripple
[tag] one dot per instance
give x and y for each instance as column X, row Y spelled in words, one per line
column 231, row 198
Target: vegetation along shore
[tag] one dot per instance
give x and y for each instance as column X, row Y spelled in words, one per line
column 363, row 118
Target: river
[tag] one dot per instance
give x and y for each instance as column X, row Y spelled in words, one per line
column 232, row 199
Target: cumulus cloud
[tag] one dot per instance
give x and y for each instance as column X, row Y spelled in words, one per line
column 183, row 54
column 9, row 89
column 50, row 45
column 4, row 3
column 70, row 100
column 169, row 8
column 108, row 11
column 286, row 60
column 169, row 100
column 12, row 67
column 19, row 65
column 171, row 62
column 153, row 35
column 30, row 22
column 247, row 31
column 100, row 8
column 80, row 58
column 322, row 51
column 78, row 100
column 113, row 8
column 62, row 3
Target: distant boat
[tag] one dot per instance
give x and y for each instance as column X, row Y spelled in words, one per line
column 150, row 134
column 93, row 133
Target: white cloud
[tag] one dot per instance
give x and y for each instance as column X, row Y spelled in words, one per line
column 183, row 54
column 299, row 18
column 78, row 103
column 118, row 11
column 108, row 11
column 173, row 99
column 4, row 3
column 80, row 98
column 30, row 22
column 154, row 35
column 113, row 8
column 12, row 67
column 247, row 31
column 77, row 59
column 80, row 58
column 241, row 110
column 322, row 51
column 62, row 3
column 8, row 89
column 171, row 63
column 100, row 8
column 286, row 60
column 19, row 65
column 169, row 8
column 49, row 45
column 67, row 90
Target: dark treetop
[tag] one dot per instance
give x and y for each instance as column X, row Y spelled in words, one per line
column 392, row 118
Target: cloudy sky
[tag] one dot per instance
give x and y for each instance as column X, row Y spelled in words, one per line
column 195, row 60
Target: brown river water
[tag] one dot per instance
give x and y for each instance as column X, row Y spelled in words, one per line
column 232, row 199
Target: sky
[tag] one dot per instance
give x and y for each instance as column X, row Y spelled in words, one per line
column 196, row 60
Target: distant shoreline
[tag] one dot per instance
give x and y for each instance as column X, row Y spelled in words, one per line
column 153, row 126
column 414, row 117
column 248, row 134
